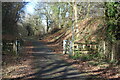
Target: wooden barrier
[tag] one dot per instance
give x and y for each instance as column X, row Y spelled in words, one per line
column 86, row 47
column 11, row 45
column 81, row 47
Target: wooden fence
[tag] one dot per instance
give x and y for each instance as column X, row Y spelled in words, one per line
column 110, row 51
column 11, row 45
column 70, row 48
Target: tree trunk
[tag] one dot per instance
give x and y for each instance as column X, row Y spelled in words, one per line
column 47, row 24
column 88, row 11
column 74, row 28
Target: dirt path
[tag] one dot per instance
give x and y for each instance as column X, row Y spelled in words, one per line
column 42, row 63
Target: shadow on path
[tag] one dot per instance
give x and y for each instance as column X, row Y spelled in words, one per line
column 49, row 66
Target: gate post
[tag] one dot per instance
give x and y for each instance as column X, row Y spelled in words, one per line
column 71, row 48
column 15, row 47
column 64, row 46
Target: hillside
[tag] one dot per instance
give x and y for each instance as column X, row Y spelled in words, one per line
column 89, row 29
column 92, row 30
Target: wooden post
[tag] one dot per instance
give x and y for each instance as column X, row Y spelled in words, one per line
column 71, row 50
column 113, row 52
column 64, row 46
column 16, row 43
column 15, row 48
column 104, row 47
column 83, row 46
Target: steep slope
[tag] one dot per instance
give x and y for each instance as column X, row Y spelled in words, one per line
column 88, row 29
